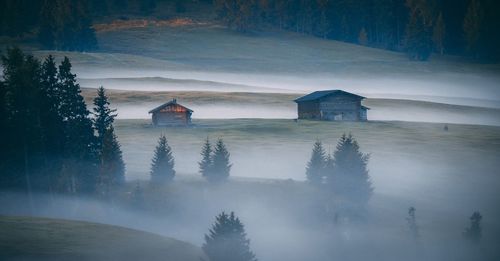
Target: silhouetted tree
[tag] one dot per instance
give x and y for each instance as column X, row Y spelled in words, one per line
column 221, row 167
column 162, row 166
column 473, row 23
column 111, row 165
column 439, row 34
column 104, row 116
column 316, row 165
column 80, row 159
column 349, row 177
column 206, row 159
column 418, row 41
column 474, row 231
column 227, row 240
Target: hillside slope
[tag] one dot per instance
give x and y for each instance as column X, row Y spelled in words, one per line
column 29, row 238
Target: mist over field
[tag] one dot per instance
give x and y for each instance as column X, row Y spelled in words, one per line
column 80, row 181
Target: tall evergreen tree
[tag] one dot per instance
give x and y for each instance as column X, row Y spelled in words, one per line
column 473, row 23
column 316, row 165
column 474, row 231
column 221, row 167
column 79, row 169
column 418, row 41
column 162, row 166
column 104, row 115
column 111, row 167
column 22, row 130
column 227, row 240
column 439, row 34
column 206, row 161
column 51, row 121
column 349, row 177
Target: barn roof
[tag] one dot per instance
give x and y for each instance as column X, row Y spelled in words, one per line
column 320, row 94
column 172, row 102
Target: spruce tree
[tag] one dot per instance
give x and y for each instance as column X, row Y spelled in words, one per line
column 104, row 115
column 227, row 240
column 315, row 166
column 439, row 34
column 22, row 131
column 51, row 120
column 111, row 167
column 418, row 41
column 474, row 231
column 162, row 166
column 349, row 177
column 473, row 23
column 79, row 170
column 221, row 167
column 206, row 161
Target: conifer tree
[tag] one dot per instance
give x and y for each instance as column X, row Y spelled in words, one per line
column 111, row 167
column 23, row 142
column 104, row 115
column 473, row 22
column 79, row 170
column 227, row 240
column 315, row 166
column 221, row 167
column 51, row 120
column 418, row 41
column 349, row 177
column 439, row 34
column 162, row 166
column 206, row 161
column 474, row 231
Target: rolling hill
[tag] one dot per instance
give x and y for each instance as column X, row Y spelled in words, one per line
column 30, row 238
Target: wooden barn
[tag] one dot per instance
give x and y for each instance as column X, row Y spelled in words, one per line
column 171, row 114
column 332, row 105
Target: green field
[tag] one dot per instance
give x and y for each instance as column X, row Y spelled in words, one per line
column 30, row 238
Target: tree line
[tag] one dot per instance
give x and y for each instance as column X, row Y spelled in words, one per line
column 418, row 27
column 50, row 141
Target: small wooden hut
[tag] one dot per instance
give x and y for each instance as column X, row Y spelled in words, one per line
column 332, row 105
column 171, row 114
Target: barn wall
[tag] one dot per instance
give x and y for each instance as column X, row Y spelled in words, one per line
column 308, row 110
column 340, row 107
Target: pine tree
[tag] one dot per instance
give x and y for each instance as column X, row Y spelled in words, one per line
column 474, row 232
column 51, row 120
column 315, row 166
column 221, row 167
column 227, row 240
column 439, row 34
column 104, row 116
column 473, row 23
column 206, row 161
column 111, row 167
column 418, row 41
column 349, row 177
column 162, row 166
column 79, row 170
column 22, row 131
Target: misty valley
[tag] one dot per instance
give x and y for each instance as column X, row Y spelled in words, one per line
column 249, row 130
